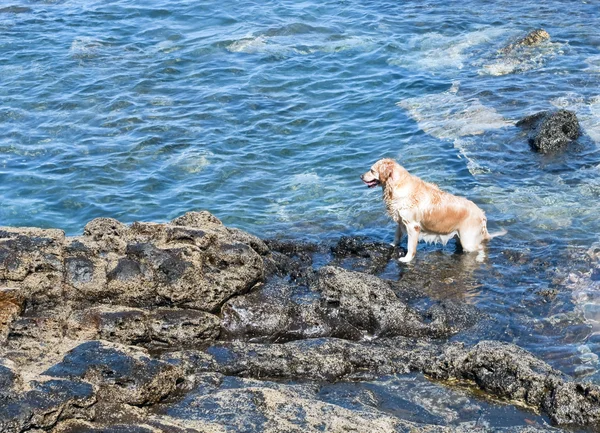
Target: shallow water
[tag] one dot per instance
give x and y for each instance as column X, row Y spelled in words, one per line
column 266, row 114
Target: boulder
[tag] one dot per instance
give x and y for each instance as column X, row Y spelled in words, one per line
column 321, row 359
column 342, row 304
column 509, row 372
column 551, row 132
column 198, row 266
column 148, row 264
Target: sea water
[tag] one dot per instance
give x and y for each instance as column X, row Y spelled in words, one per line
column 266, row 113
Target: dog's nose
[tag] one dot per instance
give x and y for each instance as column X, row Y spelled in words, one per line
column 362, row 177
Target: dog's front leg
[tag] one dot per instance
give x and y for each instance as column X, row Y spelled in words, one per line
column 398, row 235
column 413, row 231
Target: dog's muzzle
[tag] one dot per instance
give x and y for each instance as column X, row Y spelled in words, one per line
column 370, row 183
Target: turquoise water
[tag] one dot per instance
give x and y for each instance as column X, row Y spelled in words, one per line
column 266, row 113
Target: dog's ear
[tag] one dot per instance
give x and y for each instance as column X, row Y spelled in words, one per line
column 387, row 170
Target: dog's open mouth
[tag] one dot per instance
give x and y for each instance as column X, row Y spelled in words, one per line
column 371, row 183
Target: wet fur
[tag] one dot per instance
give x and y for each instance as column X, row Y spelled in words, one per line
column 425, row 212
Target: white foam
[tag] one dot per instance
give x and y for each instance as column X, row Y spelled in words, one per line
column 467, row 148
column 249, row 45
column 585, row 293
column 522, row 59
column 300, row 44
column 434, row 51
column 593, row 64
column 587, row 110
column 449, row 116
column 305, row 178
column 85, row 47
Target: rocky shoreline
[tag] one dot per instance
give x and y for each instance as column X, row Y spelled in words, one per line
column 191, row 326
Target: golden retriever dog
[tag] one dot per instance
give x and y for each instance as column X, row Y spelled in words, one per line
column 425, row 212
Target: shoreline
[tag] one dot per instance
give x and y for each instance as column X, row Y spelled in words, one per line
column 145, row 317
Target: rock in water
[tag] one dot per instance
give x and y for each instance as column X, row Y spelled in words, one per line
column 551, row 131
column 534, row 37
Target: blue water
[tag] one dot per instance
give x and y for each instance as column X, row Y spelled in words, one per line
column 266, row 113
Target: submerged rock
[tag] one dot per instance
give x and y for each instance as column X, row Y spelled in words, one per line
column 362, row 255
column 551, row 131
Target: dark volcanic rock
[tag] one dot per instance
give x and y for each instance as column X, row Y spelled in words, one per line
column 362, row 255
column 371, row 305
column 500, row 369
column 45, row 404
column 343, row 304
column 31, row 259
column 507, row 371
column 163, row 327
column 533, row 38
column 327, row 359
column 35, row 336
column 145, row 265
column 551, row 131
column 177, row 288
column 123, row 374
column 171, row 327
column 275, row 314
column 264, row 406
column 78, row 426
column 293, row 260
column 11, row 305
column 10, row 380
column 176, row 266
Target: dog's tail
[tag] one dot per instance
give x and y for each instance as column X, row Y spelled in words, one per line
column 496, row 234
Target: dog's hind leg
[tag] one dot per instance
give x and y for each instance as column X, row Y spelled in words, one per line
column 472, row 241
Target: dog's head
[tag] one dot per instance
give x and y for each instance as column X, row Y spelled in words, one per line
column 382, row 171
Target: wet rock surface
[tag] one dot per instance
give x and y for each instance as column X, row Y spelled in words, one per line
column 531, row 39
column 551, row 132
column 194, row 326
